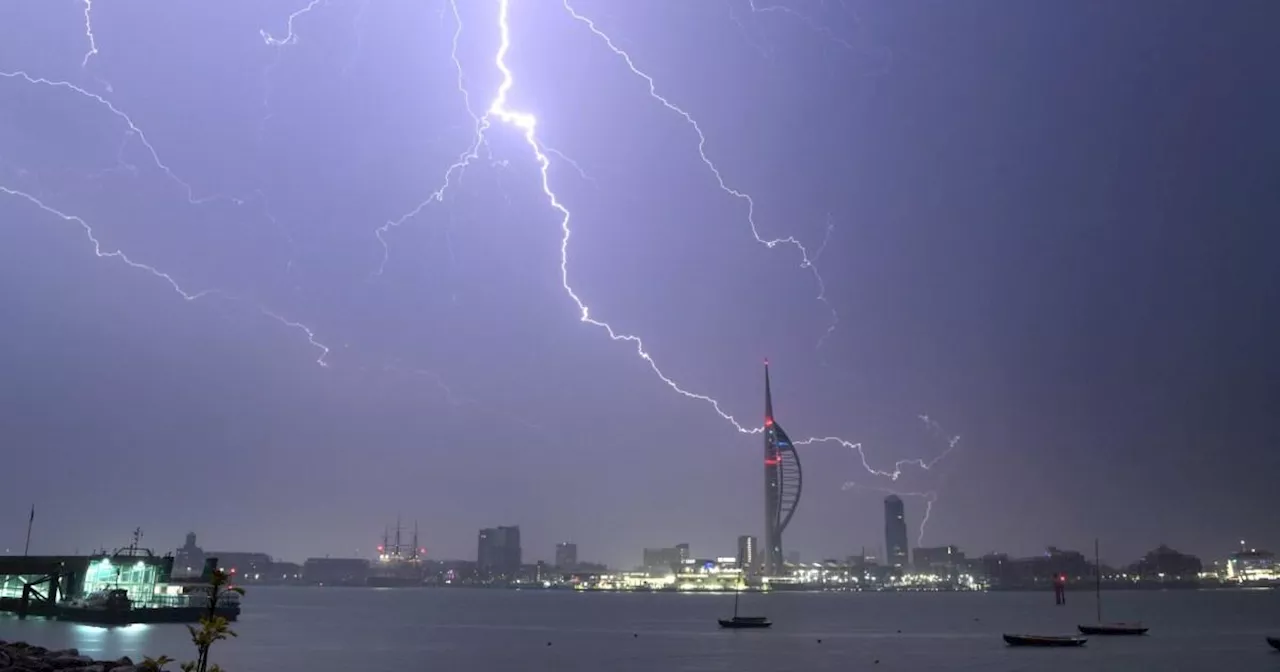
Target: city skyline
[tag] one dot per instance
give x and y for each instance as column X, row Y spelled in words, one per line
column 1016, row 225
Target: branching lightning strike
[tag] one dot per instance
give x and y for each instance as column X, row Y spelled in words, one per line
column 526, row 124
column 498, row 110
column 480, row 124
column 290, row 37
column 133, row 130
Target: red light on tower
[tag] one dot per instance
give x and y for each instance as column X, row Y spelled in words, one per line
column 379, row 549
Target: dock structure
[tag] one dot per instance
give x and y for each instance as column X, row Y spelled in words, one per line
column 128, row 586
column 33, row 584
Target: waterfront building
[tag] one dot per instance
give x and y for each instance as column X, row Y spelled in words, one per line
column 566, row 555
column 1166, row 564
column 895, row 532
column 498, row 554
column 782, row 484
column 663, row 559
column 747, row 545
column 335, row 571
column 1253, row 565
column 938, row 560
column 189, row 558
column 241, row 564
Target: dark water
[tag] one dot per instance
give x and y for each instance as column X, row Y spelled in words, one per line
column 343, row 630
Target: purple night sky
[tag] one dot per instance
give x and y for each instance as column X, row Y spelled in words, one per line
column 1049, row 227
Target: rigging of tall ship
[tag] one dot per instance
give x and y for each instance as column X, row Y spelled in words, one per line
column 398, row 565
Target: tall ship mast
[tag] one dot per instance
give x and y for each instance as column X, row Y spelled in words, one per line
column 398, row 564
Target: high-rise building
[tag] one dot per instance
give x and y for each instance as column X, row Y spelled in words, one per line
column 781, row 484
column 747, row 552
column 498, row 553
column 683, row 550
column 566, row 555
column 895, row 532
column 663, row 558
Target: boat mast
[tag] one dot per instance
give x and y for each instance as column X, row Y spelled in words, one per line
column 1097, row 575
column 736, row 594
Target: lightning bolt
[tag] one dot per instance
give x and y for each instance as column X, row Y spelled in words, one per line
column 187, row 295
column 290, row 37
column 88, row 32
column 808, row 21
column 133, row 129
column 527, row 125
column 805, row 261
column 896, row 473
column 479, row 124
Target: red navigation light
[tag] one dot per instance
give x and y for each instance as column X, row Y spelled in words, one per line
column 422, row 551
column 379, row 549
column 768, row 422
column 771, row 461
column 766, row 361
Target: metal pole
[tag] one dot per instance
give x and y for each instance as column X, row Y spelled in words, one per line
column 30, row 520
column 1097, row 573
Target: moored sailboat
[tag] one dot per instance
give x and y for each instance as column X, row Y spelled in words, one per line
column 1101, row 628
column 743, row 621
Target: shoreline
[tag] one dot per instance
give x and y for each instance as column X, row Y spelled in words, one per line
column 24, row 656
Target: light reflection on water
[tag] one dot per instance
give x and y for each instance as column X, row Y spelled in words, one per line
column 340, row 629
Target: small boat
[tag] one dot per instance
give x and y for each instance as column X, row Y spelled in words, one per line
column 743, row 621
column 1043, row 640
column 1114, row 629
column 1107, row 629
column 1274, row 642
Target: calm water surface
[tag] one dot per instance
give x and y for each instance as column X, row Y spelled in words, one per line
column 339, row 630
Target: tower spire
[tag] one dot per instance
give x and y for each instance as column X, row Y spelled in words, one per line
column 768, row 397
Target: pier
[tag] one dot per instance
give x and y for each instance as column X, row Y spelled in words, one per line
column 127, row 587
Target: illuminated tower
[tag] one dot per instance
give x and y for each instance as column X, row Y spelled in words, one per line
column 781, row 484
column 895, row 532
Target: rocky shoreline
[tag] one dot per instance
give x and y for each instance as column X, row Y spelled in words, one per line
column 23, row 657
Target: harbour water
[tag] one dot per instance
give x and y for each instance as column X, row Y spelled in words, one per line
column 343, row 629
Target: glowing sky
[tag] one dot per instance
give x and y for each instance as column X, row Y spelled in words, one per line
column 337, row 282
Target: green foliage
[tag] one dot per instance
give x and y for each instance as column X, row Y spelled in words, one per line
column 212, row 628
column 150, row 664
